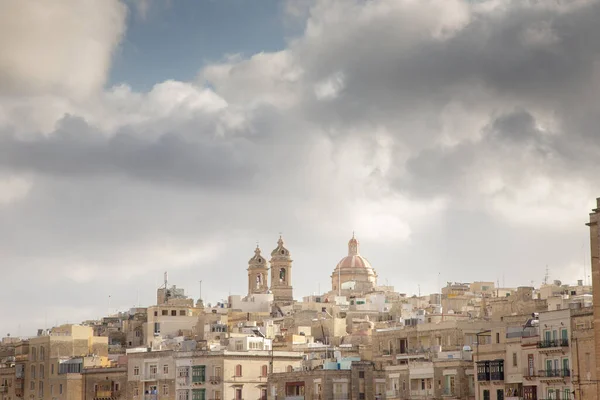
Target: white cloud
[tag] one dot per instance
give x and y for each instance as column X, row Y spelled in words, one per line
column 66, row 48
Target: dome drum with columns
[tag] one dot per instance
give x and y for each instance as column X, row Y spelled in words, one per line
column 353, row 272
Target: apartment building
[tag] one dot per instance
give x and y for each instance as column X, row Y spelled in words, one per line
column 39, row 369
column 450, row 375
column 200, row 374
column 354, row 380
column 173, row 315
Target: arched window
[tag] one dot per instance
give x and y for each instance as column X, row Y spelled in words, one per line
column 282, row 275
column 238, row 370
column 42, row 353
column 33, row 354
column 32, row 372
column 264, row 371
column 290, row 368
column 42, row 372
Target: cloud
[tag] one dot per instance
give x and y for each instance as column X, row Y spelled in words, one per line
column 453, row 137
column 62, row 47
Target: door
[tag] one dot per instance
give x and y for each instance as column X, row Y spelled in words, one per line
column 565, row 367
column 548, row 368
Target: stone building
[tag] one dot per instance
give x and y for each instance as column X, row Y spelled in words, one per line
column 583, row 377
column 150, row 375
column 258, row 274
column 360, row 381
column 42, row 368
column 105, row 383
column 595, row 258
column 281, row 275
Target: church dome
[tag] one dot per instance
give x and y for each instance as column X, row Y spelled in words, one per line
column 354, row 272
column 353, row 259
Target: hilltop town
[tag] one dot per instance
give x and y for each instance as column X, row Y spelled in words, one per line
column 358, row 340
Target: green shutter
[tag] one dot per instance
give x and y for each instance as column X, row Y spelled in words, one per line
column 198, row 394
column 198, row 373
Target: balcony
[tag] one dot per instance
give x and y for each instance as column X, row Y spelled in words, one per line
column 149, row 377
column 3, row 389
column 554, row 373
column 448, row 392
column 151, row 397
column 548, row 344
column 214, row 379
column 392, row 394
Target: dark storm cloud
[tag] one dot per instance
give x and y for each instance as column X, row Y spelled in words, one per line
column 76, row 149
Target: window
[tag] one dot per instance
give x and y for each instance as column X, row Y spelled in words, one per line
column 117, row 387
column 165, row 390
column 264, row 371
column 500, row 394
column 238, row 394
column 173, row 313
column 165, row 312
column 136, row 370
column 33, row 354
column 567, row 393
column 514, row 359
column 361, row 396
column 198, row 373
column 182, row 313
column 361, row 374
column 263, row 394
column 51, row 390
column 60, row 389
column 182, row 395
column 565, row 365
column 32, row 372
column 156, row 313
column 290, row 368
column 42, row 371
column 497, row 337
column 42, row 353
column 486, row 395
column 32, row 385
column 165, row 369
column 51, row 369
column 153, row 369
column 41, row 389
column 198, row 394
column 238, row 370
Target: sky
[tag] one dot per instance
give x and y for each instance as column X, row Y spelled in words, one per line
column 458, row 139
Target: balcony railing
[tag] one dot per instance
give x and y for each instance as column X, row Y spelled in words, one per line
column 554, row 373
column 149, row 377
column 215, row 379
column 546, row 344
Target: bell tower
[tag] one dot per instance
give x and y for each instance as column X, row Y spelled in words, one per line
column 281, row 274
column 258, row 273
